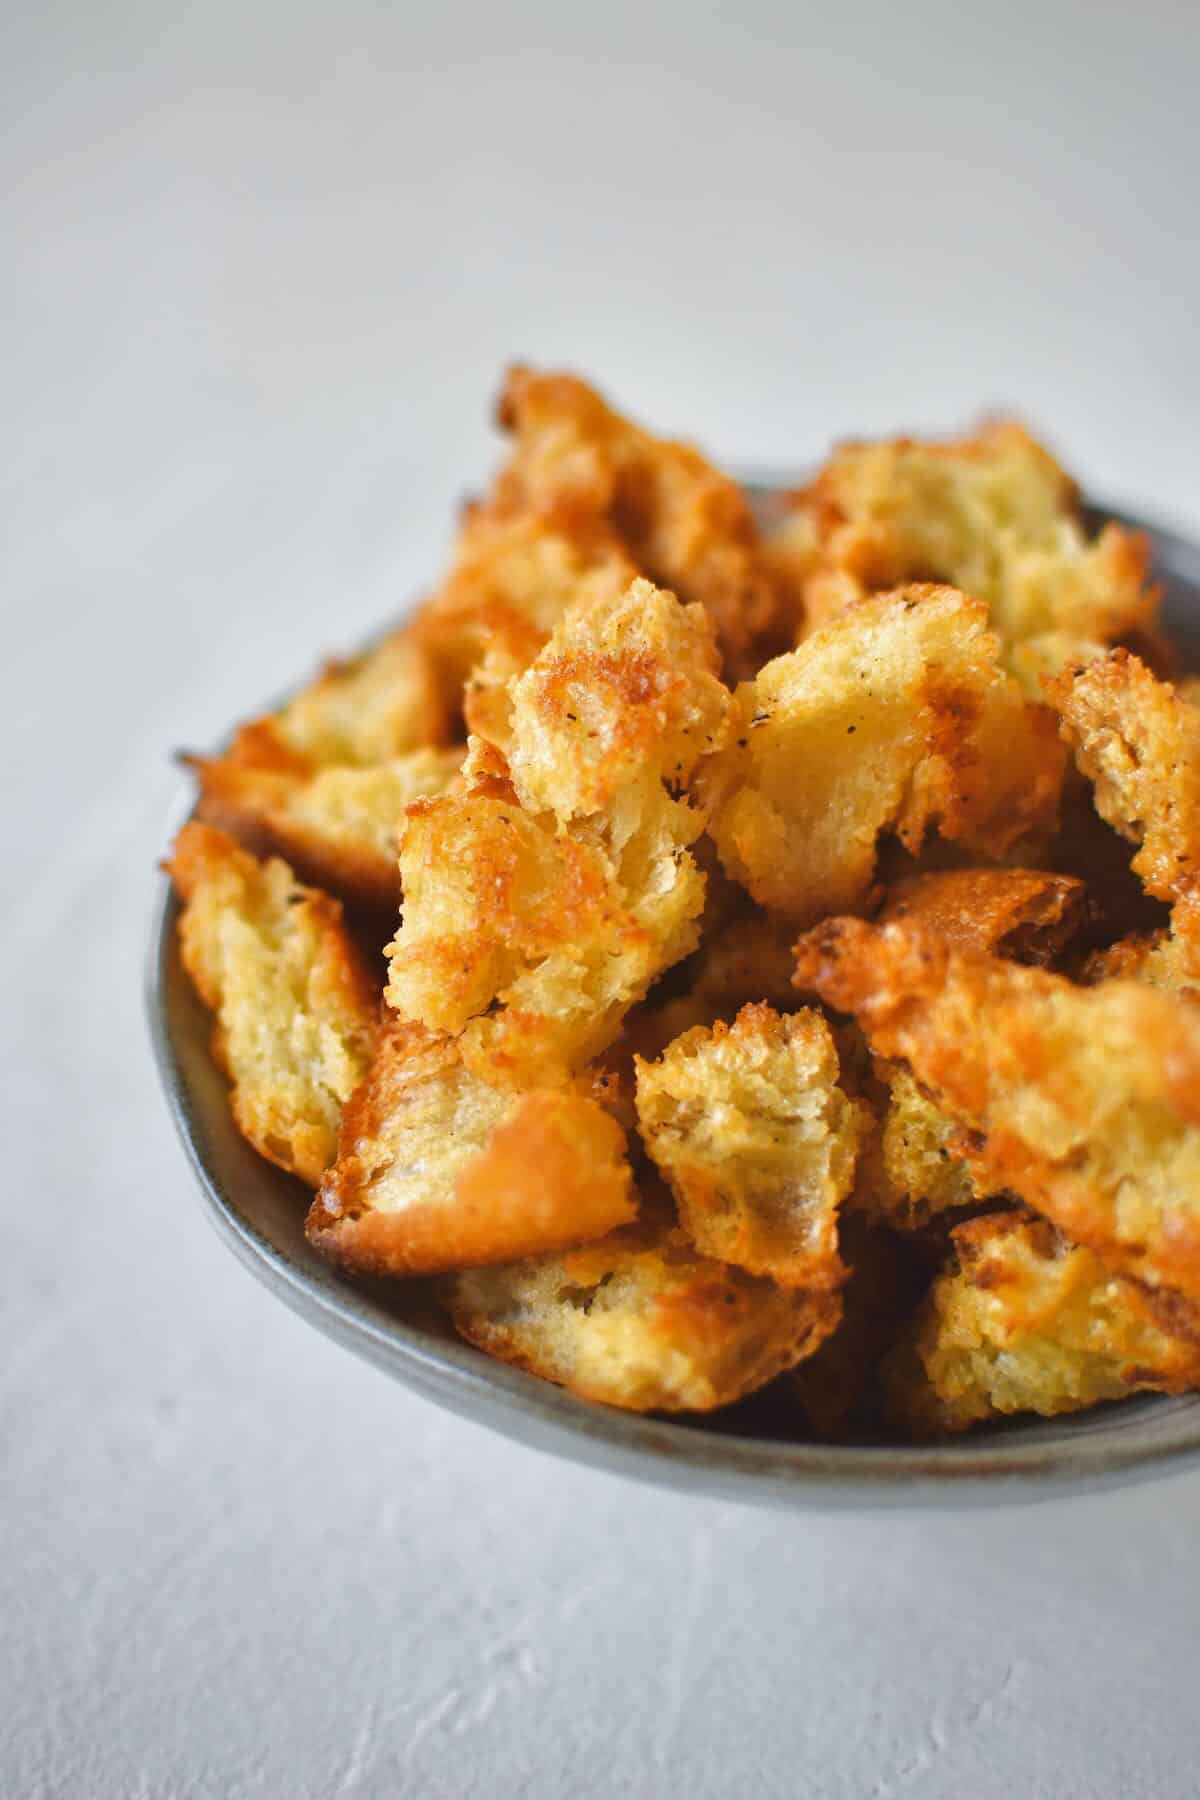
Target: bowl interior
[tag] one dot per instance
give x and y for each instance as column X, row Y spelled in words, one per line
column 260, row 1212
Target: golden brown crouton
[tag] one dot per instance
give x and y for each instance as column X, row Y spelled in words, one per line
column 436, row 1169
column 563, row 893
column 296, row 1012
column 1025, row 914
column 894, row 718
column 1024, row 1321
column 322, row 781
column 337, row 826
column 992, row 514
column 758, row 1141
column 1085, row 1102
column 624, row 697
column 356, row 713
column 685, row 525
column 913, row 1170
column 1138, row 742
column 1042, row 658
column 641, row 1320
column 515, row 573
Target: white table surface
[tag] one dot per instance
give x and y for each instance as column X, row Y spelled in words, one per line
column 269, row 262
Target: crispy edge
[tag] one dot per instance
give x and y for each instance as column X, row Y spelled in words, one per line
column 1027, row 914
column 742, row 1202
column 550, row 1173
column 966, row 1025
column 203, row 856
column 688, row 527
column 981, row 763
column 703, row 1334
column 1000, row 1332
column 264, row 808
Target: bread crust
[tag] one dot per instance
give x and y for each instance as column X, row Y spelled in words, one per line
column 436, row 1169
column 1024, row 1321
column 642, row 1321
column 992, row 513
column 684, row 524
column 895, row 718
column 1085, row 1102
column 296, row 1011
column 750, row 1126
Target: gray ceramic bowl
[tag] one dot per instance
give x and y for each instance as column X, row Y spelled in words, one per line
column 260, row 1212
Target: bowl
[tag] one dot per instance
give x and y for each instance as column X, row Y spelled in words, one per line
column 259, row 1211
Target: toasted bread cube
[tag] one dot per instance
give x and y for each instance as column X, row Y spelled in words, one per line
column 749, row 1125
column 1036, row 660
column 322, row 782
column 1138, row 741
column 1025, row 1321
column 992, row 513
column 642, row 1321
column 684, row 524
column 1161, row 959
column 1085, row 1102
column 895, row 718
column 625, row 695
column 296, row 1012
column 515, row 573
column 563, row 892
column 437, row 1170
column 913, row 1170
column 1026, row 914
column 357, row 713
column 339, row 826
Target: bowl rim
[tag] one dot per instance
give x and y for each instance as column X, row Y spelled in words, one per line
column 1138, row 1439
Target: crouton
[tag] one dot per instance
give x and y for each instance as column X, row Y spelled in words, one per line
column 1025, row 1321
column 1085, row 1102
column 435, row 1169
column 1026, row 914
column 640, row 1320
column 358, row 712
column 913, row 1170
column 749, row 1125
column 337, row 826
column 685, row 525
column 514, row 575
column 296, row 1011
column 895, row 718
column 992, row 514
column 564, row 891
column 1138, row 743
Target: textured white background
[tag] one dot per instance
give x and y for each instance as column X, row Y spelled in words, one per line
column 268, row 262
